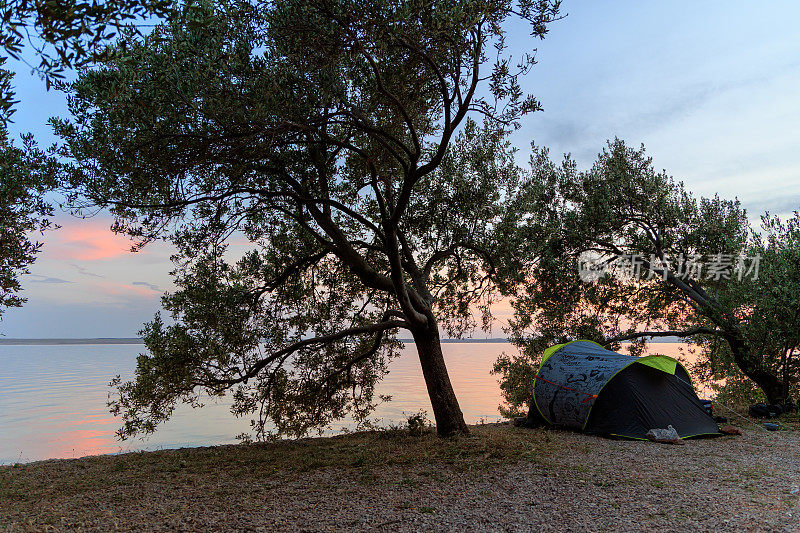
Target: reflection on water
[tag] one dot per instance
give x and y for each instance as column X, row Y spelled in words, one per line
column 53, row 399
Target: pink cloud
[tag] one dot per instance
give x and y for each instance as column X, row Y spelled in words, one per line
column 147, row 292
column 127, row 290
column 86, row 240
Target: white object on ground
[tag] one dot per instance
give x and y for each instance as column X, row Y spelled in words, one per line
column 663, row 434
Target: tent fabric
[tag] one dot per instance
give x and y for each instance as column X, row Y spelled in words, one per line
column 630, row 398
column 640, row 398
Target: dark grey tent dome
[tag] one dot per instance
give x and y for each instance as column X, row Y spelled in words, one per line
column 583, row 386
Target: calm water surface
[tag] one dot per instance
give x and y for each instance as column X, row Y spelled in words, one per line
column 53, row 399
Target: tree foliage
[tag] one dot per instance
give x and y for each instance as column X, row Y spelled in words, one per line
column 770, row 307
column 24, row 179
column 63, row 34
column 334, row 139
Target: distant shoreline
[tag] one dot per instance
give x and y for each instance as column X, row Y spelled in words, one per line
column 52, row 342
column 135, row 340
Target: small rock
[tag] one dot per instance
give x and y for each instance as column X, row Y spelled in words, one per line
column 667, row 436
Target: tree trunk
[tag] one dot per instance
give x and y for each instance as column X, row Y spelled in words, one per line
column 752, row 367
column 773, row 387
column 446, row 412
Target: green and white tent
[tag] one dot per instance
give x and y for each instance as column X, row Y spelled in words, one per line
column 583, row 386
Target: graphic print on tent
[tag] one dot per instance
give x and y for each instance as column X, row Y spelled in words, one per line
column 583, row 386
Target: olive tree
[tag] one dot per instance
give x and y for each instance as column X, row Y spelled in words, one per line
column 335, row 139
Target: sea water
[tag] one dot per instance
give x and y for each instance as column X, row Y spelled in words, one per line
column 53, row 399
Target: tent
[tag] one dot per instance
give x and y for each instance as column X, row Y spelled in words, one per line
column 583, row 386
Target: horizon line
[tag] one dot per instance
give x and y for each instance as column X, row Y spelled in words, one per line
column 52, row 341
column 19, row 341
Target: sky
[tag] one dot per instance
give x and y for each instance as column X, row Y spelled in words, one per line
column 710, row 88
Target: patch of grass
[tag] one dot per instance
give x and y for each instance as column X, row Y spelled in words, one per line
column 753, row 472
column 686, row 513
column 25, row 487
column 367, row 478
column 359, row 461
column 431, row 474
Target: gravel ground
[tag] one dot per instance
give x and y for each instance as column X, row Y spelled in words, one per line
column 500, row 479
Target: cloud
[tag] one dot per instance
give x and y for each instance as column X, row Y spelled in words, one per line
column 123, row 293
column 86, row 240
column 148, row 285
column 46, row 279
column 775, row 206
column 85, row 271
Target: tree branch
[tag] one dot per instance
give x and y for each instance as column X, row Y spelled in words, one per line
column 360, row 330
column 669, row 333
